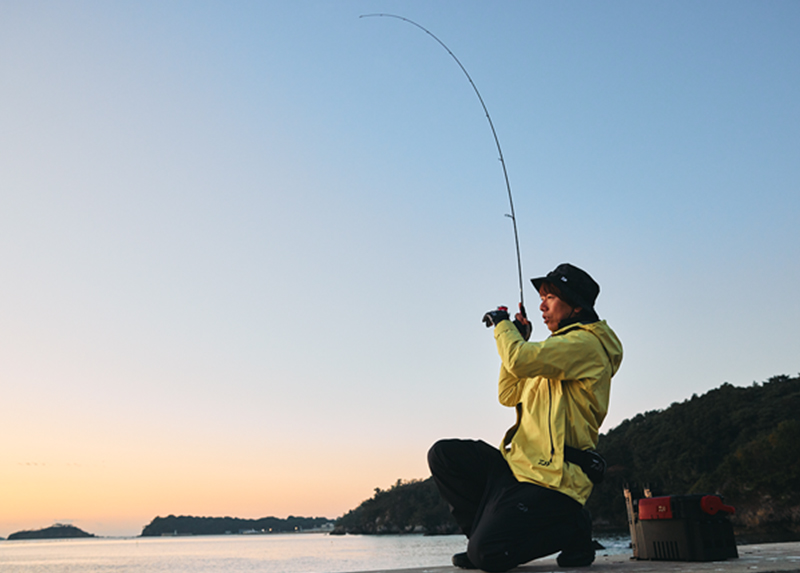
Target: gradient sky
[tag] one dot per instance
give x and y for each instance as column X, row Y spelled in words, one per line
column 246, row 246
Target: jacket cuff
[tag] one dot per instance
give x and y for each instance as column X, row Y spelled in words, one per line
column 503, row 327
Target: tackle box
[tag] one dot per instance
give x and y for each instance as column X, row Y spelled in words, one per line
column 681, row 528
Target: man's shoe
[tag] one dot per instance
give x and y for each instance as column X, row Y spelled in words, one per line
column 580, row 551
column 569, row 559
column 462, row 560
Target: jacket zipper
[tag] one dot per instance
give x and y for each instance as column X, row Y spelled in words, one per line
column 550, row 419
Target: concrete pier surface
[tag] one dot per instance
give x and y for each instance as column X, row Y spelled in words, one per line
column 763, row 558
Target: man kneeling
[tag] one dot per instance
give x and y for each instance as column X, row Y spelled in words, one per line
column 526, row 499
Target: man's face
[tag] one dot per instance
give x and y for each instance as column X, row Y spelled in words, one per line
column 554, row 310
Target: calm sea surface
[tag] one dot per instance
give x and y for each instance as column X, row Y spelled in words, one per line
column 280, row 553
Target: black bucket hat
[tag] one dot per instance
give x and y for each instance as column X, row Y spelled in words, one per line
column 578, row 288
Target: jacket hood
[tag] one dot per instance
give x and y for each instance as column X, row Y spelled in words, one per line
column 606, row 336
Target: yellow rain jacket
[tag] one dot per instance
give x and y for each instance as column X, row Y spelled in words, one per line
column 560, row 388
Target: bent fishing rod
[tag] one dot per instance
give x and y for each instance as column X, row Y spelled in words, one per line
column 512, row 215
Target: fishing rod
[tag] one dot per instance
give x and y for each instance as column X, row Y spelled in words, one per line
column 512, row 215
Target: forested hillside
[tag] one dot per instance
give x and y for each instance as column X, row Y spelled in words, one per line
column 407, row 507
column 743, row 443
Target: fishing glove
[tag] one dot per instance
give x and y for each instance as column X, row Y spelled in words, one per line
column 521, row 322
column 525, row 328
column 495, row 317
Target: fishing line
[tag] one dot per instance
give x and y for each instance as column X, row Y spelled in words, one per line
column 512, row 215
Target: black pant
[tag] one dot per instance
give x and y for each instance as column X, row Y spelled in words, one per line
column 508, row 522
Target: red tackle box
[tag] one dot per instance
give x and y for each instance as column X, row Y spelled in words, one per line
column 681, row 528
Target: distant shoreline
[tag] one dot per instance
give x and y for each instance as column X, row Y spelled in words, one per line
column 744, row 541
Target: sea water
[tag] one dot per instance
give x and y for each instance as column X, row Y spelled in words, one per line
column 276, row 553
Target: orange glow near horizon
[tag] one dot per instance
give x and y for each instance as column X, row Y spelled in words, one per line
column 119, row 497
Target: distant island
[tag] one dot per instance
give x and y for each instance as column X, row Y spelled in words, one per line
column 740, row 442
column 189, row 525
column 57, row 531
